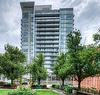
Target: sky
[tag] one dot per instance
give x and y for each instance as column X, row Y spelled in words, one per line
column 86, row 18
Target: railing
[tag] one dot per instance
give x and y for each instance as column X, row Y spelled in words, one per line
column 47, row 45
column 47, row 20
column 47, row 29
column 47, row 41
column 46, row 50
column 47, row 37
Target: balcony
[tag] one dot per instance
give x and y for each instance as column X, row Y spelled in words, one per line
column 47, row 41
column 47, row 26
column 43, row 18
column 47, row 20
column 46, row 51
column 47, row 37
column 45, row 46
column 48, row 33
column 47, row 14
column 53, row 50
column 50, row 60
column 51, row 55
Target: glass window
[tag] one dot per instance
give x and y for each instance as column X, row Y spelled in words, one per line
column 66, row 12
column 25, row 15
column 25, row 39
column 68, row 21
column 25, row 50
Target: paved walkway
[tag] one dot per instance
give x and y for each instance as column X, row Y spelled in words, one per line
column 59, row 92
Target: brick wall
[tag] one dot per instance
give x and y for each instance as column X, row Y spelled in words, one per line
column 90, row 82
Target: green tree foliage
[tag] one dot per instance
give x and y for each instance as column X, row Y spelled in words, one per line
column 11, row 63
column 37, row 68
column 62, row 69
column 73, row 41
column 84, row 59
column 1, row 69
column 96, row 37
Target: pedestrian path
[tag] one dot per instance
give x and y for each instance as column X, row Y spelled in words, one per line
column 60, row 92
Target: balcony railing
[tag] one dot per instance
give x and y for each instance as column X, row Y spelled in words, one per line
column 47, row 20
column 47, row 46
column 47, row 41
column 47, row 29
column 41, row 18
column 47, row 26
column 45, row 38
column 46, row 50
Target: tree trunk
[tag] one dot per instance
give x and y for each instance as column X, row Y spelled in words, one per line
column 12, row 82
column 62, row 83
column 20, row 80
column 39, row 81
column 33, row 81
column 79, row 84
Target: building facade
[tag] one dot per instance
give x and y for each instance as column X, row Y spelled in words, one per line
column 44, row 30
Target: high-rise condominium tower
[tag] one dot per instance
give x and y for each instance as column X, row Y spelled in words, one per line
column 44, row 30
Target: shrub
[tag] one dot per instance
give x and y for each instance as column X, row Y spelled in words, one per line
column 39, row 86
column 56, row 86
column 2, row 83
column 22, row 91
column 9, row 86
column 68, row 89
column 44, row 86
column 24, row 83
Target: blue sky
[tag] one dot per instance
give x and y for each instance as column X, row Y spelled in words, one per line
column 87, row 18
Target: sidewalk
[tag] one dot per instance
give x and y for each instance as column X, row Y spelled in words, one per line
column 60, row 92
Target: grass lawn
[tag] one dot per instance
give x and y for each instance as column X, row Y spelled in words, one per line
column 4, row 91
column 38, row 92
column 45, row 92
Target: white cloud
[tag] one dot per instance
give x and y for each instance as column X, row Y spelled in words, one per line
column 87, row 18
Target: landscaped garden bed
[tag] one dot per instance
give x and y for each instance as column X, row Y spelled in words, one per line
column 5, row 85
column 67, row 89
column 39, row 86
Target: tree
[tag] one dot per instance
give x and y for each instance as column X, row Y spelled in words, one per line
column 81, row 57
column 96, row 38
column 1, row 69
column 87, row 65
column 37, row 69
column 11, row 63
column 33, row 70
column 62, row 69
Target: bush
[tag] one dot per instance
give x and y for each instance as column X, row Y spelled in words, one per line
column 55, row 86
column 44, row 86
column 39, row 86
column 24, row 83
column 9, row 86
column 68, row 89
column 22, row 91
column 2, row 83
